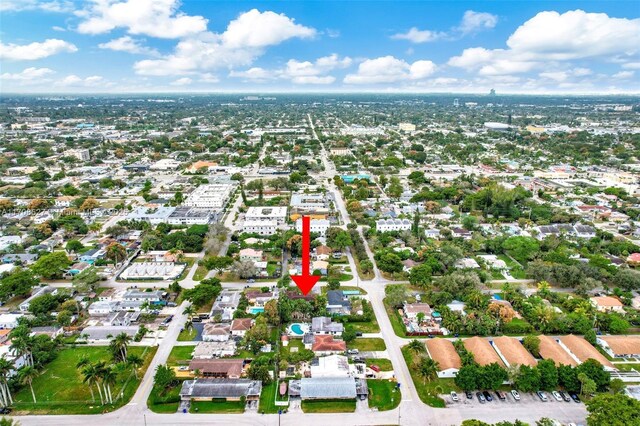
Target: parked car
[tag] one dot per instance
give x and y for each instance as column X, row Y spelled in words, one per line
column 251, row 281
column 375, row 368
column 469, row 394
column 358, row 334
column 487, row 396
column 574, row 396
column 515, row 395
column 565, row 396
column 454, row 396
column 353, row 352
column 480, row 397
column 557, row 396
column 542, row 396
column 501, row 396
column 172, row 304
column 196, row 319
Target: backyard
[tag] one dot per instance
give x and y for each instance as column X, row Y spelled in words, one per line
column 180, row 355
column 60, row 388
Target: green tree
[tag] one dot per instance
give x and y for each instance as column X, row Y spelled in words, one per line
column 613, row 410
column 396, row 295
column 86, row 280
column 420, row 275
column 204, row 292
column 74, row 246
column 164, row 377
column 548, row 374
column 52, row 265
column 466, row 378
column 532, row 344
column 528, row 379
column 26, row 374
column 428, row 369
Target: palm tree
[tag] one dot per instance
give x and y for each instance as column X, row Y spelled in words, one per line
column 21, row 344
column 5, row 368
column 135, row 362
column 189, row 310
column 119, row 346
column 428, row 368
column 116, row 252
column 416, row 345
column 26, row 374
column 91, row 378
column 109, row 377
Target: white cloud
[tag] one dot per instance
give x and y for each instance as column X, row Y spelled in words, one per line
column 244, row 40
column 28, row 74
column 575, row 34
column 476, row 21
column 28, row 5
column 414, row 35
column 130, row 45
column 298, row 72
column 255, row 74
column 255, row 29
column 631, row 66
column 388, row 69
column 75, row 81
column 622, row 75
column 184, row 81
column 208, row 78
column 35, row 50
column 155, row 18
column 58, row 28
column 472, row 22
column 550, row 37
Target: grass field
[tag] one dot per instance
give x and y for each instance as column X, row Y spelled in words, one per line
column 383, row 395
column 187, row 335
column 267, row 399
column 383, row 363
column 220, row 407
column 396, row 321
column 366, row 327
column 180, row 355
column 367, row 344
column 59, row 388
column 328, row 406
column 200, row 274
column 428, row 391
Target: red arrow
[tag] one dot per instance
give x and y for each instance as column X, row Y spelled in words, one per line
column 305, row 282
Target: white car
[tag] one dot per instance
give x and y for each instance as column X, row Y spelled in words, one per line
column 454, row 396
column 515, row 395
column 557, row 396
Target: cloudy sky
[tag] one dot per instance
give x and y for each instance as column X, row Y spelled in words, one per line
column 400, row 46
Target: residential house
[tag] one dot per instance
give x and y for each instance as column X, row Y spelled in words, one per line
column 411, row 310
column 324, row 325
column 330, row 366
column 317, row 226
column 218, row 368
column 607, row 304
column 240, row 326
column 338, row 303
column 388, row 225
column 37, row 292
column 251, row 255
column 324, row 344
column 216, row 332
column 227, row 389
column 444, row 353
column 620, row 346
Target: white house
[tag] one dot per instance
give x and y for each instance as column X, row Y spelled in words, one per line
column 268, row 214
column 260, row 227
column 240, row 326
column 9, row 320
column 318, row 226
column 386, row 225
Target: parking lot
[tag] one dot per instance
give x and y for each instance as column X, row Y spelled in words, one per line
column 525, row 399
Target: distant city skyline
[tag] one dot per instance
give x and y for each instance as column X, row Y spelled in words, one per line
column 366, row 46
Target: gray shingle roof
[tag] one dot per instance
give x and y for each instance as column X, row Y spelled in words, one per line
column 220, row 388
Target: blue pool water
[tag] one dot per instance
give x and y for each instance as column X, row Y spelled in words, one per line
column 496, row 297
column 297, row 329
column 256, row 310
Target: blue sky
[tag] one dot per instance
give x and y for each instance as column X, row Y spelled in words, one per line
column 384, row 46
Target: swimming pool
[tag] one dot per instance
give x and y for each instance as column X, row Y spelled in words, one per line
column 298, row 329
column 256, row 310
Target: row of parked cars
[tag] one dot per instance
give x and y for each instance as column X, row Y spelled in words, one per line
column 486, row 396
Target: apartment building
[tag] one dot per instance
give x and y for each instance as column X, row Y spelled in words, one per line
column 210, row 196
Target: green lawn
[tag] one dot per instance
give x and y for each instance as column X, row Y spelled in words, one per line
column 428, row 391
column 267, row 399
column 627, row 366
column 329, row 406
column 220, row 407
column 189, row 261
column 383, row 395
column 367, row 344
column 59, row 388
column 167, row 403
column 187, row 335
column 383, row 363
column 396, row 321
column 366, row 327
column 180, row 355
column 201, row 273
